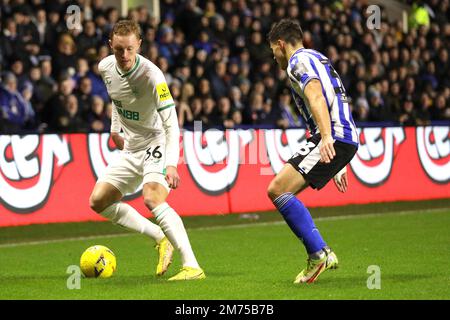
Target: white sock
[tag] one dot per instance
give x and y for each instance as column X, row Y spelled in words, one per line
column 174, row 229
column 126, row 216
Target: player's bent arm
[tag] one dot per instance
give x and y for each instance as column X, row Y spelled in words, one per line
column 170, row 124
column 118, row 140
column 317, row 103
column 115, row 129
column 165, row 106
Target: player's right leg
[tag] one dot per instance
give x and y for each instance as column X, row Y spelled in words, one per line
column 105, row 200
column 155, row 193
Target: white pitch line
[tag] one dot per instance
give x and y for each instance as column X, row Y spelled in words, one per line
column 236, row 226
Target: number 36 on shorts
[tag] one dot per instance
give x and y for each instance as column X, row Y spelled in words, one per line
column 153, row 153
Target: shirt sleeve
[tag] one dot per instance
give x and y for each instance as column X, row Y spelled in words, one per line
column 161, row 92
column 302, row 72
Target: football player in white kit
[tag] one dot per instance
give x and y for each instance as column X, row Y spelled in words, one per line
column 144, row 109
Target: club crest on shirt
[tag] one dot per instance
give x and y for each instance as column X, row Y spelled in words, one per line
column 299, row 69
column 107, row 82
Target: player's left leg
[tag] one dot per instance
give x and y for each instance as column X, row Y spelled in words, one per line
column 155, row 193
column 281, row 191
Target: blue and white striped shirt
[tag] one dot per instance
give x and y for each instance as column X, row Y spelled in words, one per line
column 308, row 64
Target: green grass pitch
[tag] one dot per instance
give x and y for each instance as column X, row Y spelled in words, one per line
column 243, row 258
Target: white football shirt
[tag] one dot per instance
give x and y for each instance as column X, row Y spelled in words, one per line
column 138, row 97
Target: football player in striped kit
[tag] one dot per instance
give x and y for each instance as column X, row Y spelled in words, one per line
column 321, row 99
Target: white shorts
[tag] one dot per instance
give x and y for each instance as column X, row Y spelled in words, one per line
column 133, row 168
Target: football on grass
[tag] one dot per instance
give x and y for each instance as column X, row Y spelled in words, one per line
column 98, row 262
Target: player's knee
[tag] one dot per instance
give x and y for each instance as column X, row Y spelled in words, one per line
column 151, row 202
column 153, row 199
column 154, row 195
column 97, row 204
column 274, row 190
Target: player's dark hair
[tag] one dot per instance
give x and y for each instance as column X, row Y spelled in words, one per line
column 287, row 30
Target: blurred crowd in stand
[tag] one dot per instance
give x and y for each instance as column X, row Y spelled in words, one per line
column 217, row 61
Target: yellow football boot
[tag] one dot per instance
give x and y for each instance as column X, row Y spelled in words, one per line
column 188, row 273
column 165, row 252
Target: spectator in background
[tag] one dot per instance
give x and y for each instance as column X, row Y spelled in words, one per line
column 98, row 86
column 148, row 38
column 236, row 116
column 258, row 49
column 288, row 117
column 89, row 38
column 16, row 111
column 423, row 113
column 252, row 114
column 38, row 96
column 210, row 117
column 167, row 48
column 269, row 115
column 51, row 85
column 196, row 38
column 393, row 100
column 185, row 116
column 220, row 36
column 85, row 97
column 67, row 118
column 408, row 117
column 219, row 81
column 377, row 109
column 10, row 42
column 32, row 54
column 187, row 92
column 245, row 87
column 225, row 113
column 236, row 98
column 196, row 107
column 55, row 105
column 64, row 59
column 42, row 26
column 82, row 69
column 96, row 117
column 362, row 110
column 410, row 92
column 440, row 110
column 25, row 27
column 204, row 43
column 19, row 72
column 163, row 64
column 204, row 89
column 54, row 29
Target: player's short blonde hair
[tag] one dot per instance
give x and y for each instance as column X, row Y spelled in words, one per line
column 124, row 28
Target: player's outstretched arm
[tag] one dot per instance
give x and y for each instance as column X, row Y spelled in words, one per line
column 313, row 92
